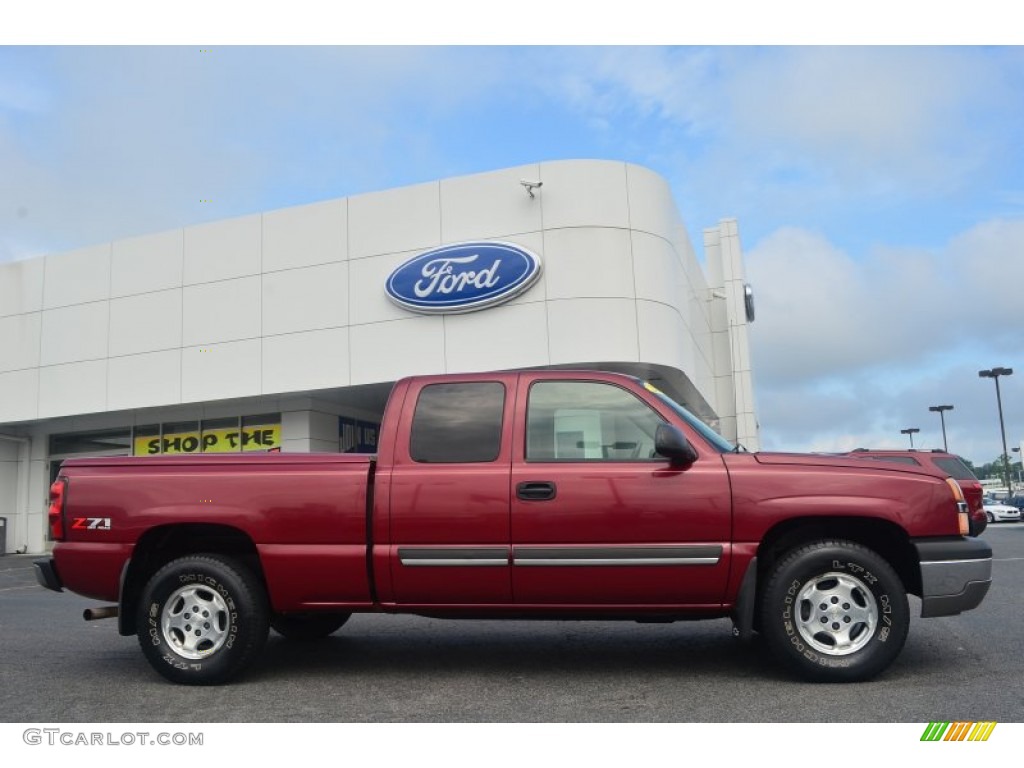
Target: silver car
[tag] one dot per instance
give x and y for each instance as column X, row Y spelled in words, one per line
column 998, row 512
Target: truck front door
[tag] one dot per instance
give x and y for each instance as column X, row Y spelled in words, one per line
column 598, row 519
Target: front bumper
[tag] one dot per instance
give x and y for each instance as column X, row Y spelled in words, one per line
column 46, row 574
column 955, row 575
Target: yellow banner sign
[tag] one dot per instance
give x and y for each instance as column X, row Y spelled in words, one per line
column 228, row 440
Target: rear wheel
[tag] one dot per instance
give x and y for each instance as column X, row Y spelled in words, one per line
column 308, row 626
column 834, row 611
column 202, row 619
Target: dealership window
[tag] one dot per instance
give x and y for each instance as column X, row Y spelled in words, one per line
column 356, row 436
column 588, row 421
column 103, row 441
column 226, row 435
column 458, row 422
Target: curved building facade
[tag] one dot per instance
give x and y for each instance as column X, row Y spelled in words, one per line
column 275, row 331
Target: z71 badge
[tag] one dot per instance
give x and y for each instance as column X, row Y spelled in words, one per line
column 90, row 524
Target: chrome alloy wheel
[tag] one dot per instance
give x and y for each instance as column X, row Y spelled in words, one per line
column 836, row 614
column 195, row 621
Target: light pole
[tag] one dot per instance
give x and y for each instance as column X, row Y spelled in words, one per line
column 1020, row 471
column 995, row 373
column 940, row 410
column 910, row 431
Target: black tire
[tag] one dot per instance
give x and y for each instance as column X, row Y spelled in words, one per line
column 232, row 612
column 864, row 622
column 308, row 626
column 991, row 517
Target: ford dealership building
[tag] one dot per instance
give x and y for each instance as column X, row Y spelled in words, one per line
column 285, row 330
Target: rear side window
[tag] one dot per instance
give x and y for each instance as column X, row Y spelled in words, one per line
column 955, row 468
column 456, row 423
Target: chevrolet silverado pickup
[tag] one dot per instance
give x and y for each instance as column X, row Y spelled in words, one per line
column 524, row 494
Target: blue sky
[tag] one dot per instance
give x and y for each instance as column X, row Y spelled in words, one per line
column 879, row 190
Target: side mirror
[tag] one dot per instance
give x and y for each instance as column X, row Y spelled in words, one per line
column 670, row 442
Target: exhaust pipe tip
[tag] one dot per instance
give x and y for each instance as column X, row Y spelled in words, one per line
column 103, row 612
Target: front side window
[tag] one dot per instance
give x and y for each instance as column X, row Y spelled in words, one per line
column 588, row 421
column 456, row 423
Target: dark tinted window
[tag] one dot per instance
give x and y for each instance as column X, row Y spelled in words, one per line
column 458, row 423
column 92, row 442
column 894, row 459
column 955, row 468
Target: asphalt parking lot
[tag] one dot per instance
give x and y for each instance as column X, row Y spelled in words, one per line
column 58, row 668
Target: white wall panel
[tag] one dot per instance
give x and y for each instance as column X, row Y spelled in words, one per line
column 227, row 310
column 584, row 330
column 588, row 262
column 21, row 286
column 145, row 323
column 657, row 271
column 218, row 371
column 722, row 349
column 19, row 395
column 533, row 242
column 75, row 333
column 147, row 263
column 581, row 193
column 73, row 388
column 388, row 351
column 489, row 205
column 651, row 208
column 664, row 337
column 402, row 219
column 77, row 277
column 142, row 381
column 368, row 303
column 19, row 341
column 305, row 299
column 511, row 336
column 305, row 236
column 310, row 360
column 222, row 250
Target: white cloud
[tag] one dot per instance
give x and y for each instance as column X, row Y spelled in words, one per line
column 847, row 351
column 869, row 110
column 767, row 130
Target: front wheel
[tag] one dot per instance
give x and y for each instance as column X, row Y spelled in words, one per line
column 202, row 619
column 834, row 611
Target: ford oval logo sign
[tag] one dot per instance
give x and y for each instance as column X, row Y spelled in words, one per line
column 463, row 277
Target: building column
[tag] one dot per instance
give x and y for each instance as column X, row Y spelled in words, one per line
column 734, row 386
column 15, row 452
column 308, row 431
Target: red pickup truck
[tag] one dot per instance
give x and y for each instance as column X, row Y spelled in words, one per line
column 539, row 494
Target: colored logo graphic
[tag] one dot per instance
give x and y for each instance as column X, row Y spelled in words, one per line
column 958, row 731
column 463, row 277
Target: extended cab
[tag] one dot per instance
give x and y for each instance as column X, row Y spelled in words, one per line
column 552, row 494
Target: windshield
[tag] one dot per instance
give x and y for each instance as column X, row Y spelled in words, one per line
column 718, row 442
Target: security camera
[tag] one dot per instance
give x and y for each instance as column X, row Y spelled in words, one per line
column 531, row 185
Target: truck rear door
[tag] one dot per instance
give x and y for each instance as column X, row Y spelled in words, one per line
column 449, row 493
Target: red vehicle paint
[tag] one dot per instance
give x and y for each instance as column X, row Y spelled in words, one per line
column 942, row 464
column 550, row 494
